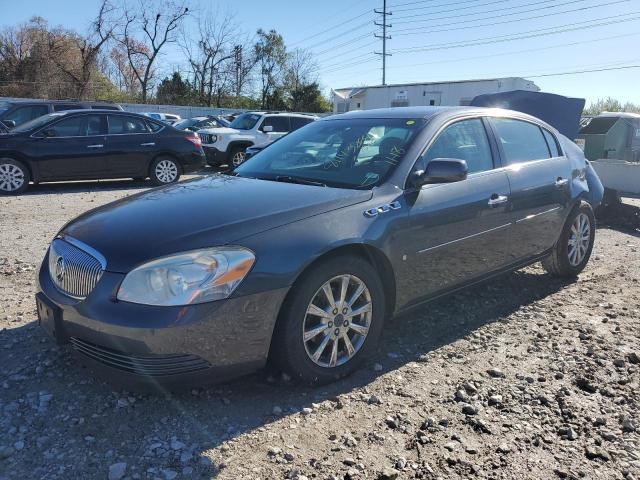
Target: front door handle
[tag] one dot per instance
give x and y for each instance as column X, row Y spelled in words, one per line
column 150, row 144
column 98, row 145
column 561, row 182
column 497, row 200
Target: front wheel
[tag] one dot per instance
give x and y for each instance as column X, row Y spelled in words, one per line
column 14, row 177
column 237, row 156
column 164, row 171
column 573, row 249
column 331, row 321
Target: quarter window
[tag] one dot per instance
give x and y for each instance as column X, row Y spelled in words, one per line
column 521, row 141
column 120, row 124
column 465, row 140
column 552, row 143
column 279, row 124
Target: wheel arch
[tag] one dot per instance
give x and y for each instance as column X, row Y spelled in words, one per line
column 239, row 143
column 161, row 155
column 16, row 157
column 376, row 257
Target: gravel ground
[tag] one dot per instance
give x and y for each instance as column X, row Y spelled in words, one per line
column 528, row 377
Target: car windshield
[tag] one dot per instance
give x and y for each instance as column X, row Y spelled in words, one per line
column 189, row 122
column 36, row 122
column 222, row 122
column 345, row 153
column 246, row 121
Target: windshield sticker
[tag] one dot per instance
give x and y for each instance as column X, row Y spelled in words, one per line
column 370, row 177
column 411, row 122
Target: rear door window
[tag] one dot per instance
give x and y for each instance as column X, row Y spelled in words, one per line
column 61, row 107
column 123, row 125
column 280, row 124
column 298, row 122
column 23, row 114
column 521, row 141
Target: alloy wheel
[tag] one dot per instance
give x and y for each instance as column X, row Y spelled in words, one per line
column 11, row 177
column 238, row 158
column 166, row 171
column 337, row 321
column 579, row 239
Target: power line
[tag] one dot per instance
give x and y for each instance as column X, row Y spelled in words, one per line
column 471, row 14
column 522, row 35
column 448, row 4
column 412, row 31
column 384, row 38
column 480, row 57
column 303, row 40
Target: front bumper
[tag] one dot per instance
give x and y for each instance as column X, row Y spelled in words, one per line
column 214, row 156
column 169, row 347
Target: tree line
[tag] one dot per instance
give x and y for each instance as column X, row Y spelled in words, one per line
column 120, row 58
column 610, row 105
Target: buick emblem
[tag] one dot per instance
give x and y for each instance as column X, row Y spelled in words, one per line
column 60, row 269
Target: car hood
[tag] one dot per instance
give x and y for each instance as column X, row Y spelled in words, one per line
column 219, row 130
column 203, row 212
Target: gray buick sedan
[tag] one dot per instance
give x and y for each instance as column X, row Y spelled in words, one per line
column 300, row 255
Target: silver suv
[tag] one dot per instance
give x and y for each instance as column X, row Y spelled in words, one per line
column 227, row 145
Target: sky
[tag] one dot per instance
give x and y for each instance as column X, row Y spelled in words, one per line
column 431, row 40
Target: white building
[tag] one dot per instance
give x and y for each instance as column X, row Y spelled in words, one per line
column 421, row 94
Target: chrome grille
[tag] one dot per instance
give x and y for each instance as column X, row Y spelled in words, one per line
column 74, row 267
column 205, row 137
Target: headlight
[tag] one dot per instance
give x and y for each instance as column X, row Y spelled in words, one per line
column 188, row 278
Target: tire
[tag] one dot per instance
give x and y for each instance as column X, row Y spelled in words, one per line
column 164, row 170
column 289, row 350
column 14, row 177
column 563, row 261
column 237, row 157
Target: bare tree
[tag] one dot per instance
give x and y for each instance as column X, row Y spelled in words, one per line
column 301, row 69
column 209, row 52
column 81, row 65
column 147, row 28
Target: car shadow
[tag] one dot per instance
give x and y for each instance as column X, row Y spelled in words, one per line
column 205, row 418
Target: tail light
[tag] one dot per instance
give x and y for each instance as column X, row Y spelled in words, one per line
column 195, row 139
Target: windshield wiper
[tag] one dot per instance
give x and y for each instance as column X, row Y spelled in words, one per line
column 301, row 181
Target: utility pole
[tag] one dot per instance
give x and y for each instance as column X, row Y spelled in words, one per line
column 384, row 38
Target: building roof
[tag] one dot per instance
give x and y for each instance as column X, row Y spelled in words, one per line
column 362, row 88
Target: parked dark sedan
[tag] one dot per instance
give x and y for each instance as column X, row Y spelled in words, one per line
column 84, row 145
column 15, row 113
column 302, row 253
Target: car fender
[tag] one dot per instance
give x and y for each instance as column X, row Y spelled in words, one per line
column 585, row 183
column 283, row 254
column 32, row 166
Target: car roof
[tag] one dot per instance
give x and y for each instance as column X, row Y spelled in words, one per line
column 289, row 114
column 44, row 102
column 430, row 112
column 87, row 111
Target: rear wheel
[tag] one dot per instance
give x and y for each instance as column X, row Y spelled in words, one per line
column 164, row 170
column 14, row 177
column 572, row 251
column 331, row 321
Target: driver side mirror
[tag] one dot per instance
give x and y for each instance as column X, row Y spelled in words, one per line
column 9, row 123
column 49, row 133
column 441, row 170
column 267, row 128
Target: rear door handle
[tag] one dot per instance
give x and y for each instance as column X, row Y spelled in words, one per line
column 97, row 145
column 561, row 182
column 497, row 200
column 150, row 144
